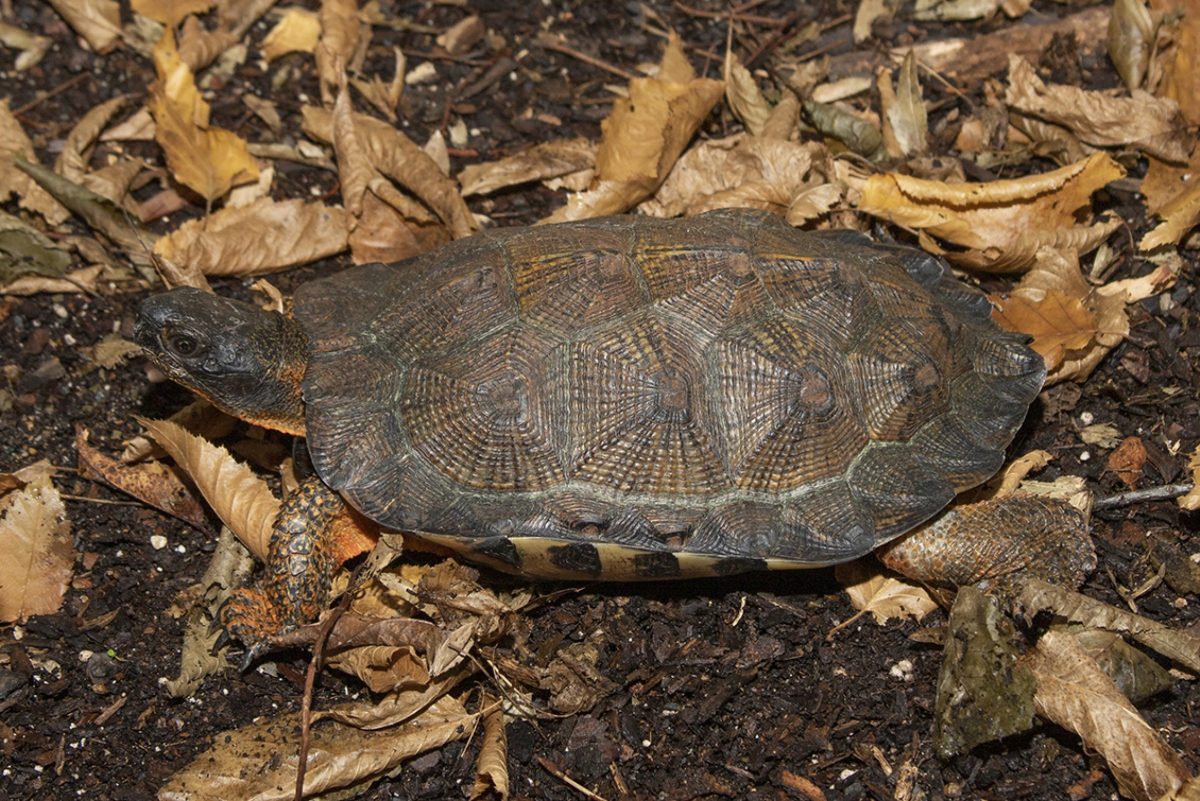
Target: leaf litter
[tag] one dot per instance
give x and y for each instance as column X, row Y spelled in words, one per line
column 427, row 640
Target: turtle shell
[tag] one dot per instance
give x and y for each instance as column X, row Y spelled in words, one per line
column 652, row 398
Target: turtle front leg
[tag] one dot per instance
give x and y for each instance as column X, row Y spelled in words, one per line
column 299, row 570
column 997, row 545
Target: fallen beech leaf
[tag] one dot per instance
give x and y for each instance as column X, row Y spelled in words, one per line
column 199, row 417
column 1179, row 645
column 208, row 160
column 170, row 12
column 1191, row 501
column 385, row 235
column 40, row 470
column 643, row 136
column 537, row 163
column 1015, row 472
column 97, row 21
column 39, row 555
column 1151, row 124
column 81, row 280
column 1073, row 692
column 13, row 144
column 394, row 707
column 259, row 761
column 241, row 499
column 885, row 597
column 402, row 160
column 296, row 32
column 743, row 95
column 865, row 16
column 1179, row 216
column 383, row 668
column 1131, row 32
column 1137, row 675
column 573, row 680
column 1002, row 223
column 1128, row 460
column 738, row 171
column 491, row 768
column 138, row 127
column 385, row 96
column 341, row 30
column 72, row 162
column 32, row 47
column 355, row 171
column 905, row 125
column 856, row 133
column 152, row 483
column 263, row 237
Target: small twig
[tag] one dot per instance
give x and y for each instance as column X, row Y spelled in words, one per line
column 751, row 19
column 62, row 87
column 552, row 43
column 1122, row 499
column 102, row 501
column 310, row 676
column 554, row 771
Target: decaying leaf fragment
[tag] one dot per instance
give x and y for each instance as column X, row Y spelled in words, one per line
column 97, row 21
column 1191, row 501
column 208, row 160
column 1001, row 223
column 32, row 46
column 341, row 30
column 1151, row 124
column 491, row 769
column 541, row 162
column 1179, row 216
column 241, row 499
column 297, row 31
column 643, row 136
column 885, row 597
column 743, row 95
column 39, row 555
column 905, row 124
column 1073, row 692
column 24, row 250
column 13, row 181
column 263, row 237
column 1131, row 31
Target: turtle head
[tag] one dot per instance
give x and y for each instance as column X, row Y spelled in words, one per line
column 246, row 361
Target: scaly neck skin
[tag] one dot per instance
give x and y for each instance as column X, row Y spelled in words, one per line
column 278, row 401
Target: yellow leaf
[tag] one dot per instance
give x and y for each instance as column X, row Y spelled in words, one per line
column 1179, row 216
column 39, row 556
column 1001, row 223
column 210, row 161
column 885, row 597
column 297, row 32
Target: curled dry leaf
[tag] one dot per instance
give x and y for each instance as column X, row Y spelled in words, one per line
column 32, row 47
column 259, row 761
column 1008, row 480
column 1073, row 692
column 538, row 163
column 384, row 95
column 1179, row 216
column 743, row 95
column 856, row 133
column 97, row 21
column 905, row 124
column 383, row 668
column 355, row 171
column 263, row 237
column 341, row 30
column 1191, row 501
column 738, row 171
column 170, row 12
column 961, row 10
column 152, row 483
column 1151, row 124
column 1131, row 32
column 208, row 160
column 199, row 417
column 72, row 162
column 39, row 555
column 1001, row 223
column 296, row 32
column 241, row 499
column 885, row 597
column 869, row 11
column 491, row 769
column 385, row 234
column 14, row 181
column 643, row 136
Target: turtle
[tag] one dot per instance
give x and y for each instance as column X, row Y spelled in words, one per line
column 629, row 398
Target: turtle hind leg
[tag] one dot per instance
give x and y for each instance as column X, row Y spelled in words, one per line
column 300, row 564
column 998, row 545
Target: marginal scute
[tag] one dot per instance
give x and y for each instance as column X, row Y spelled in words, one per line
column 658, row 397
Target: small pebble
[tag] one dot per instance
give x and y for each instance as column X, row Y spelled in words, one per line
column 902, row 670
column 158, row 542
column 1084, row 456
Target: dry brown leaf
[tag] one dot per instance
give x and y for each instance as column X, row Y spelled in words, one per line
column 738, row 171
column 743, row 95
column 297, row 31
column 199, row 417
column 1191, row 501
column 170, row 12
column 384, row 96
column 963, row 10
column 537, row 163
column 1102, row 435
column 1131, row 32
column 39, row 555
column 383, row 668
column 1073, row 325
column 885, row 597
column 241, row 499
column 1073, row 692
column 138, row 127
column 200, row 46
column 40, row 470
column 1008, row 480
column 1002, row 223
column 341, row 30
column 1179, row 216
column 72, row 162
column 1179, row 645
column 31, row 196
column 208, row 160
column 152, row 483
column 32, row 47
column 263, row 237
column 1128, row 460
column 385, row 235
column 97, row 21
column 865, row 16
column 1181, row 70
column 402, row 160
column 1151, row 124
column 643, row 136
column 905, row 124
column 491, row 769
column 355, row 171
column 259, row 761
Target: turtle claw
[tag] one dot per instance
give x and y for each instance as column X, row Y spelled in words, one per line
column 223, row 639
column 249, row 617
column 251, row 655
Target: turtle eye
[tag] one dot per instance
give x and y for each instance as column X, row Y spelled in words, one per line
column 183, row 344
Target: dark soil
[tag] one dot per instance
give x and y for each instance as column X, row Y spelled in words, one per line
column 723, row 689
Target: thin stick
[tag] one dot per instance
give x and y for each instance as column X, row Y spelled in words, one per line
column 551, row 43
column 1164, row 493
column 62, row 87
column 554, row 771
column 751, row 19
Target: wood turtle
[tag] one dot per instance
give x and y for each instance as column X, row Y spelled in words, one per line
column 629, row 398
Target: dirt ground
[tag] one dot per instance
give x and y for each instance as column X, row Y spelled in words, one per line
column 720, row 689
